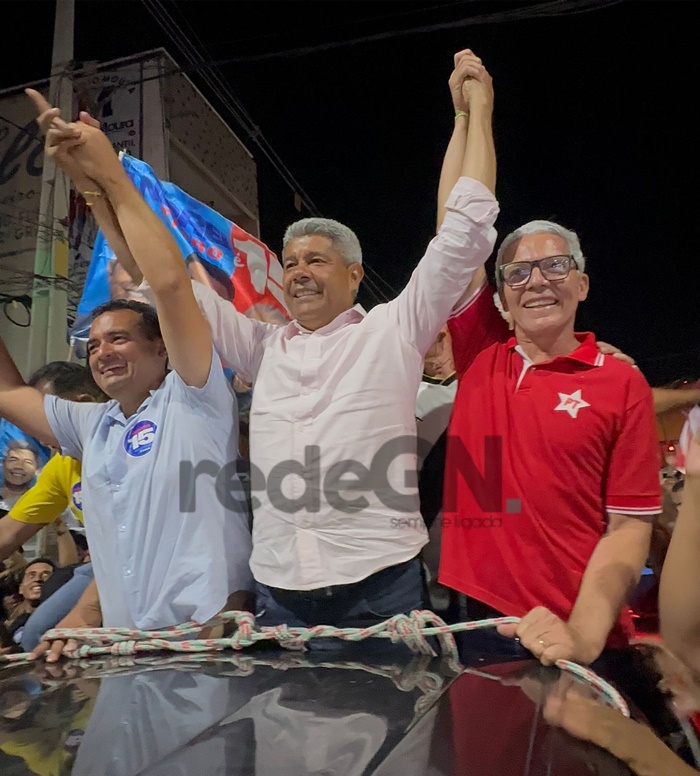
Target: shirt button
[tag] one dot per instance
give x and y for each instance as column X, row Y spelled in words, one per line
column 122, row 528
column 127, row 572
column 117, row 487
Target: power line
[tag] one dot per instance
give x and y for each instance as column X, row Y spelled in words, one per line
column 190, row 50
column 224, row 92
column 218, row 85
column 45, row 232
column 381, row 281
column 343, row 25
column 194, row 49
column 551, row 8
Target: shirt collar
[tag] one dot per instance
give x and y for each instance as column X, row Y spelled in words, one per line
column 353, row 315
column 586, row 353
column 115, row 415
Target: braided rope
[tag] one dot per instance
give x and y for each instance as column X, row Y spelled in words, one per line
column 412, row 630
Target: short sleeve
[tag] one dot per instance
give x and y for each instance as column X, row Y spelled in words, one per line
column 633, row 486
column 215, row 398
column 474, row 328
column 72, row 422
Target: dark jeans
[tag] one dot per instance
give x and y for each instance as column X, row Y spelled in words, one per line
column 482, row 643
column 393, row 590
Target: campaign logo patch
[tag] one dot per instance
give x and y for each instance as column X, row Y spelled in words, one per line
column 77, row 495
column 73, row 739
column 139, row 440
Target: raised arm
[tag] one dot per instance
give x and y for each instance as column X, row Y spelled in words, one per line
column 469, row 82
column 9, row 374
column 67, row 551
column 185, row 332
column 20, row 404
column 480, row 155
column 464, row 241
column 237, row 339
column 467, row 65
column 59, row 135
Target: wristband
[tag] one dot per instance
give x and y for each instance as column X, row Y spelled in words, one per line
column 461, row 113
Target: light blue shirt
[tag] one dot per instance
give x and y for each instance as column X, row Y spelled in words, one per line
column 157, row 564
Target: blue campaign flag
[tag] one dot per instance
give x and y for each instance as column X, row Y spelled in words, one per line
column 234, row 263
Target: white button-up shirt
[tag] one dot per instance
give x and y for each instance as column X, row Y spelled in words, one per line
column 332, row 424
column 165, row 546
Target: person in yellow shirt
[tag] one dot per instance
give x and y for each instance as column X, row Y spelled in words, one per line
column 57, row 489
column 58, row 485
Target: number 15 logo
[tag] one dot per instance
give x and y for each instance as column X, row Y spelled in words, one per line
column 140, row 438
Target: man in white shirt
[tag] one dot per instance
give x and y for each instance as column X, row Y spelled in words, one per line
column 337, row 529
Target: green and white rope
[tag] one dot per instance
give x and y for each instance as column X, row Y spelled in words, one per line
column 413, row 630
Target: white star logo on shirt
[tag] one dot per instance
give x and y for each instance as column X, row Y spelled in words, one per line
column 571, row 403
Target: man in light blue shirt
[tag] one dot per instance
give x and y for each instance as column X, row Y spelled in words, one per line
column 164, row 550
column 165, row 564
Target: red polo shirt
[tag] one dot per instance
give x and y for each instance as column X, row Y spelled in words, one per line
column 537, row 455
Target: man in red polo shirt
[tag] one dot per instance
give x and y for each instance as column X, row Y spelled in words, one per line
column 552, row 476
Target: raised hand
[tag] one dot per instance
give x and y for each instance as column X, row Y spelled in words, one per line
column 470, row 82
column 60, row 138
column 81, row 149
column 95, row 155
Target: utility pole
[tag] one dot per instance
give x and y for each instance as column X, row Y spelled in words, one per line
column 47, row 335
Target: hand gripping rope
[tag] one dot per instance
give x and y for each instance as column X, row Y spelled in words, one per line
column 412, row 630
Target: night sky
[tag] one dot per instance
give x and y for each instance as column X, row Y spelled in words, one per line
column 593, row 125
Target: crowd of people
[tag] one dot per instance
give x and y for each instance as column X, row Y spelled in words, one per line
column 534, row 445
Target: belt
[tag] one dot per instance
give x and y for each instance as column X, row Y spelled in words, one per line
column 323, row 593
column 317, row 594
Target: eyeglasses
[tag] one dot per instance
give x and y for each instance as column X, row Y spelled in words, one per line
column 517, row 273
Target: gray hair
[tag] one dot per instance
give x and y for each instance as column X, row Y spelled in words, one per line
column 542, row 227
column 343, row 238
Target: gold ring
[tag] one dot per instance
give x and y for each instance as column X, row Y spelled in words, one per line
column 541, row 642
